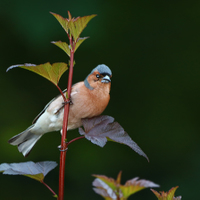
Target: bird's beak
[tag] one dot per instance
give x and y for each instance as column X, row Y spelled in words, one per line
column 105, row 79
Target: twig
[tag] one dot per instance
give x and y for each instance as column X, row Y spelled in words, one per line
column 78, row 138
column 54, row 194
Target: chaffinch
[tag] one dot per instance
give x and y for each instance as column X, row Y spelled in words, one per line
column 89, row 98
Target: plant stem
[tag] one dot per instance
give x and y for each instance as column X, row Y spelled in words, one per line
column 81, row 137
column 64, row 129
column 54, row 194
column 64, row 98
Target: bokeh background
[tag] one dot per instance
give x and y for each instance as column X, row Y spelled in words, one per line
column 153, row 49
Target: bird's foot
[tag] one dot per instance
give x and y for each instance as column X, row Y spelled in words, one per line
column 60, row 148
column 63, row 104
column 66, row 102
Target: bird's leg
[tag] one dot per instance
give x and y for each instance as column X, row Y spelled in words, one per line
column 63, row 104
column 66, row 102
column 60, row 148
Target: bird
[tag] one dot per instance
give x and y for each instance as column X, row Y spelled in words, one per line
column 88, row 98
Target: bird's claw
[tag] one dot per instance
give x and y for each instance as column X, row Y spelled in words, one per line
column 63, row 149
column 63, row 104
column 60, row 148
column 66, row 102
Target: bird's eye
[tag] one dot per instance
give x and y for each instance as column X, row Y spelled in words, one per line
column 98, row 76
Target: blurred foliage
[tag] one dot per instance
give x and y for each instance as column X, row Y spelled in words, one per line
column 167, row 195
column 152, row 48
column 110, row 188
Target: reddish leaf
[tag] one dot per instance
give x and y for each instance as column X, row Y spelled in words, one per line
column 167, row 195
column 112, row 189
column 51, row 72
column 118, row 181
column 33, row 170
column 64, row 46
column 102, row 128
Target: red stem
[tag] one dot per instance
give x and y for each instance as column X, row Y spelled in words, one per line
column 54, row 194
column 78, row 138
column 64, row 129
column 64, row 98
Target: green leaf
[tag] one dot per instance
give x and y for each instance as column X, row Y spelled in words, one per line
column 64, row 46
column 51, row 72
column 103, row 189
column 77, row 25
column 63, row 21
column 109, row 181
column 79, row 42
column 167, row 195
column 134, row 185
column 37, row 177
column 30, row 169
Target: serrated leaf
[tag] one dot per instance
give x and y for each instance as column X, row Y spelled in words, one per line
column 77, row 25
column 51, row 72
column 103, row 189
column 167, row 195
column 63, row 21
column 112, row 189
column 134, row 185
column 64, row 46
column 108, row 181
column 79, row 42
column 100, row 129
column 30, row 169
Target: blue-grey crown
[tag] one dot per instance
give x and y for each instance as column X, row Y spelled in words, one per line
column 102, row 69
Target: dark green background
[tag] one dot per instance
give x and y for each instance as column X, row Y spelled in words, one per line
column 153, row 49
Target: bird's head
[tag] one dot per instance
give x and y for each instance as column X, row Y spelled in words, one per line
column 100, row 76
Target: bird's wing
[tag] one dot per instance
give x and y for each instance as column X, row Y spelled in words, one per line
column 46, row 107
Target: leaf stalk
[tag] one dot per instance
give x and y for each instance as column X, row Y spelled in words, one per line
column 54, row 194
column 75, row 139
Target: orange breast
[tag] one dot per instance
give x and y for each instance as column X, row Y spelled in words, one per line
column 86, row 104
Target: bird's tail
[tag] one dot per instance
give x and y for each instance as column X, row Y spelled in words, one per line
column 25, row 140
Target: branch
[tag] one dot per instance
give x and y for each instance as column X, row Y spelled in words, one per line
column 65, row 122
